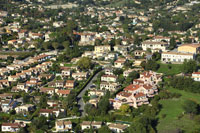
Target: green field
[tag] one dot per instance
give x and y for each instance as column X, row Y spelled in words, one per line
column 165, row 68
column 173, row 110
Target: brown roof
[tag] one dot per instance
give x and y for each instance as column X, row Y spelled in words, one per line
column 45, row 89
column 86, row 123
column 131, row 87
column 195, row 45
column 47, row 110
column 124, row 94
column 96, row 123
column 120, row 126
column 13, row 125
column 139, row 95
column 59, row 123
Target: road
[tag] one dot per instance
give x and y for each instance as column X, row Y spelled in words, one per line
column 80, row 96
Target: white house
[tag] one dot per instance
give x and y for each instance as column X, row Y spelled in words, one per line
column 196, row 76
column 109, row 78
column 63, row 126
column 149, row 44
column 10, row 127
column 176, row 57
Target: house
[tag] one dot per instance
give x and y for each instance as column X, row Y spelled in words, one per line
column 20, row 87
column 4, row 83
column 189, row 48
column 48, row 112
column 57, row 84
column 66, row 72
column 139, row 53
column 94, row 101
column 63, row 93
column 48, row 90
column 70, row 84
column 109, row 86
column 152, row 45
column 85, row 125
column 109, row 78
column 118, row 128
column 127, row 72
column 102, row 49
column 175, row 57
column 119, row 63
column 10, row 127
column 24, row 108
column 196, row 76
column 63, row 126
column 87, row 38
column 80, row 75
column 45, row 76
column 8, row 105
column 96, row 92
column 13, row 78
column 6, row 96
column 96, row 124
column 109, row 71
column 161, row 38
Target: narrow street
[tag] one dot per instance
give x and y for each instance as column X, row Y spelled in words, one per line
column 80, row 96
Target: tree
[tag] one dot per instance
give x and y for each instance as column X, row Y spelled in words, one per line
column 172, row 43
column 43, row 101
column 55, row 45
column 189, row 66
column 84, row 63
column 104, row 129
column 150, row 65
column 125, row 108
column 190, row 107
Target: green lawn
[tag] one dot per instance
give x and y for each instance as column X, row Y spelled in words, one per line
column 172, row 108
column 175, row 69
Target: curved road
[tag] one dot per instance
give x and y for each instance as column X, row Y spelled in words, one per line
column 80, row 96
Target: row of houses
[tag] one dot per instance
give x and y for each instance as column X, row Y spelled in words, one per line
column 66, row 126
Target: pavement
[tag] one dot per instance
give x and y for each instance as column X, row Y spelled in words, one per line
column 80, row 96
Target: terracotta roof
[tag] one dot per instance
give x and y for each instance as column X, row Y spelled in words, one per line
column 64, row 92
column 45, row 89
column 13, row 125
column 124, row 94
column 131, row 87
column 196, row 73
column 147, row 86
column 139, row 95
column 47, row 110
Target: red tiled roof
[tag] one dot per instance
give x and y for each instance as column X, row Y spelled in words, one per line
column 139, row 95
column 124, row 94
column 65, row 92
column 131, row 87
column 13, row 125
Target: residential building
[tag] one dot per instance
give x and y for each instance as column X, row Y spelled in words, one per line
column 196, row 76
column 63, row 126
column 102, row 48
column 10, row 127
column 109, row 78
column 175, row 57
column 189, row 48
column 152, row 45
column 118, row 128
